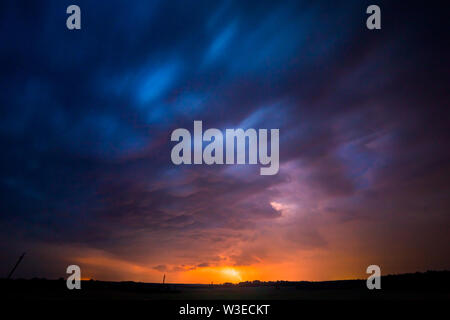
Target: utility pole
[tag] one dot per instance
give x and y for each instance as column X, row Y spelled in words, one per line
column 164, row 278
column 15, row 267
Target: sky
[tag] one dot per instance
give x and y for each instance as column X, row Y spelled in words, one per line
column 86, row 116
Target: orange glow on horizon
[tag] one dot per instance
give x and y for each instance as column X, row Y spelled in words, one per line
column 219, row 274
column 109, row 269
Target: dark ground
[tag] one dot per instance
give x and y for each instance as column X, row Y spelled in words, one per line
column 432, row 285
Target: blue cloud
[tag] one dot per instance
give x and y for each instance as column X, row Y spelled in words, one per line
column 155, row 82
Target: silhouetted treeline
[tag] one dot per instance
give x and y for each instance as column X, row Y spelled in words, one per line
column 431, row 280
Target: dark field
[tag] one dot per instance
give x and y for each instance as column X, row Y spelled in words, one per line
column 418, row 286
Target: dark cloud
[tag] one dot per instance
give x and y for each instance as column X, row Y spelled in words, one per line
column 203, row 265
column 161, row 268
